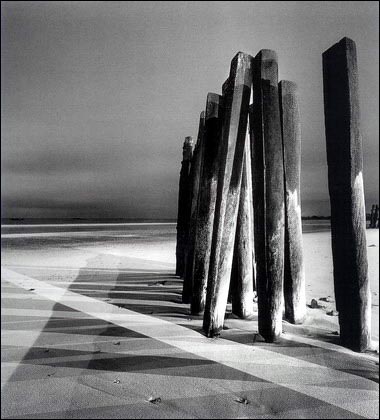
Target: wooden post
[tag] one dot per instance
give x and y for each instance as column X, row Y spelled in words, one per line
column 348, row 225
column 268, row 195
column 207, row 201
column 236, row 103
column 376, row 224
column 195, row 178
column 184, row 205
column 294, row 275
column 242, row 274
column 372, row 221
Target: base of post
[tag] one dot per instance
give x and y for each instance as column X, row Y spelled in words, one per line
column 243, row 314
column 214, row 332
column 295, row 319
column 269, row 335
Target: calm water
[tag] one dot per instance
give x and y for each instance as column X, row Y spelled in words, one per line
column 128, row 229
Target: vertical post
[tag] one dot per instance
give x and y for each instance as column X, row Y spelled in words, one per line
column 207, row 201
column 376, row 224
column 242, row 274
column 184, row 204
column 268, row 184
column 236, row 103
column 196, row 169
column 345, row 178
column 372, row 216
column 372, row 220
column 294, row 275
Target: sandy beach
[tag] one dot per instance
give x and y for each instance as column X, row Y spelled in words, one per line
column 93, row 326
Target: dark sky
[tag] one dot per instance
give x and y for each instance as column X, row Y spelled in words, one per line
column 97, row 97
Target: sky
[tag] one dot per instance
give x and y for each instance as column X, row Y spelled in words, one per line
column 98, row 97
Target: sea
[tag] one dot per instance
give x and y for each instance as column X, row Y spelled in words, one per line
column 165, row 227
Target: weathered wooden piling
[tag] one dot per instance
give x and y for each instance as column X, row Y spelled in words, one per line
column 184, row 204
column 345, row 179
column 376, row 216
column 268, row 194
column 195, row 174
column 236, row 103
column 294, row 274
column 242, row 274
column 372, row 220
column 207, row 201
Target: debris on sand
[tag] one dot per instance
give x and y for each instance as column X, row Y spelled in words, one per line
column 314, row 304
column 154, row 400
column 327, row 299
column 332, row 313
column 242, row 400
column 370, row 246
column 31, row 290
column 117, row 343
column 116, row 381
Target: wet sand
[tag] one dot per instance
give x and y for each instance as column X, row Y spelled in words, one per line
column 93, row 326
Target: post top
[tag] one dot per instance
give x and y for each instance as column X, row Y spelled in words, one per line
column 241, row 69
column 266, row 54
column 345, row 43
column 188, row 141
column 241, row 59
column 212, row 105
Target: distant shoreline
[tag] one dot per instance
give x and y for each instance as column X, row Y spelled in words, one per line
column 15, row 221
column 79, row 221
column 22, row 225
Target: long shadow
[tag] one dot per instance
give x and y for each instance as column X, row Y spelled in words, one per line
column 151, row 293
column 109, row 348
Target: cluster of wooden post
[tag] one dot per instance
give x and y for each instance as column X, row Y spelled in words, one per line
column 239, row 213
column 374, row 217
column 242, row 210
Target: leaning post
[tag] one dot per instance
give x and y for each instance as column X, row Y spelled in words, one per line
column 268, row 195
column 207, row 201
column 236, row 103
column 294, row 274
column 345, row 180
column 184, row 203
column 195, row 179
column 242, row 274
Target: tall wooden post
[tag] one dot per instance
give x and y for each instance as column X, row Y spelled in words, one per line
column 345, row 166
column 195, row 179
column 242, row 274
column 184, row 204
column 268, row 195
column 294, row 274
column 236, row 103
column 376, row 224
column 207, row 201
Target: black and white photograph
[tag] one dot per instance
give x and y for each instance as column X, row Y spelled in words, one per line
column 189, row 209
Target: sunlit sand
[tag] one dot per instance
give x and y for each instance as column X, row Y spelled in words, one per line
column 92, row 322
